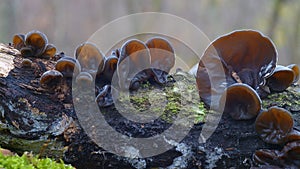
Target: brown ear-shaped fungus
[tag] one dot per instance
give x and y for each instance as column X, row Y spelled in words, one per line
column 241, row 102
column 291, row 153
column 50, row 79
column 104, row 98
column 267, row 157
column 110, row 65
column 49, row 52
column 19, row 41
column 26, row 63
column 296, row 71
column 281, row 79
column 90, row 58
column 35, row 42
column 274, row 125
column 84, row 78
column 68, row 66
column 162, row 58
column 134, row 59
column 292, row 136
column 245, row 54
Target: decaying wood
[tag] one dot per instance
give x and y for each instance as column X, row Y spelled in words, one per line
column 44, row 122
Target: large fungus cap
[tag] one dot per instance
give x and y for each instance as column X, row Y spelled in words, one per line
column 134, row 59
column 296, row 71
column 35, row 42
column 162, row 58
column 274, row 125
column 281, row 79
column 90, row 58
column 19, row 41
column 246, row 56
column 68, row 66
column 50, row 79
column 241, row 102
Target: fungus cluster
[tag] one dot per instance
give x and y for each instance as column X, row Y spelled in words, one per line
column 276, row 126
column 135, row 62
column 34, row 44
column 249, row 72
column 239, row 68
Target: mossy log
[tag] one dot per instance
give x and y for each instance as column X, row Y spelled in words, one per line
column 45, row 122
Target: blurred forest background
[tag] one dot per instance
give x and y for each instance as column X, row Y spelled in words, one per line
column 67, row 23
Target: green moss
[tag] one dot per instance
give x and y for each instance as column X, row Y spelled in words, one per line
column 28, row 161
column 167, row 101
column 289, row 99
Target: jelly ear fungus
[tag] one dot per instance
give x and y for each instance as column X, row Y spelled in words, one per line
column 162, row 58
column 90, row 58
column 34, row 44
column 246, row 56
column 241, row 102
column 133, row 64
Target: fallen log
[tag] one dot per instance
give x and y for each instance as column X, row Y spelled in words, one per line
column 45, row 122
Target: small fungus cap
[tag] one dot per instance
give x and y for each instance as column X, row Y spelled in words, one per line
column 274, row 125
column 50, row 79
column 281, row 79
column 68, row 66
column 35, row 41
column 241, row 102
column 90, row 58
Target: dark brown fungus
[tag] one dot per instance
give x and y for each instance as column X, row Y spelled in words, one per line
column 281, row 79
column 50, row 79
column 104, row 98
column 19, row 41
column 294, row 135
column 68, row 66
column 110, row 65
column 49, row 52
column 288, row 157
column 162, row 58
column 133, row 64
column 244, row 55
column 35, row 42
column 291, row 153
column 267, row 157
column 84, row 78
column 90, row 58
column 241, row 102
column 26, row 63
column 296, row 70
column 274, row 125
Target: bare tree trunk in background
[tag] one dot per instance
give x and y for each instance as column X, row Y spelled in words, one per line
column 295, row 51
column 274, row 18
column 8, row 19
